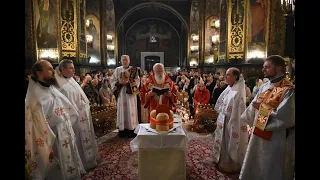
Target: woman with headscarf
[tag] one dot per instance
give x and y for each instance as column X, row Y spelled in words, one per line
column 106, row 95
column 201, row 96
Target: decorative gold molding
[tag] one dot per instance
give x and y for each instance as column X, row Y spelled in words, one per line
column 236, row 29
column 83, row 55
column 69, row 54
column 68, row 25
column 222, row 57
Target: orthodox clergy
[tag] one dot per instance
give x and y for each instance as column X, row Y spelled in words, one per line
column 161, row 82
column 231, row 136
column 125, row 82
column 271, row 150
column 50, row 140
column 82, row 124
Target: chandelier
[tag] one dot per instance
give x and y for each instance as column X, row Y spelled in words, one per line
column 215, row 39
column 288, row 7
column 89, row 38
column 50, row 53
column 152, row 39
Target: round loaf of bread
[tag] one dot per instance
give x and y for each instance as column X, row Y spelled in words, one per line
column 171, row 114
column 153, row 114
column 162, row 117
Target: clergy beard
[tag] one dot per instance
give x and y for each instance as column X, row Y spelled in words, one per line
column 52, row 81
column 159, row 78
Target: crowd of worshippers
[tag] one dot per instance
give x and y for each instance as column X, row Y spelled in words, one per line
column 96, row 86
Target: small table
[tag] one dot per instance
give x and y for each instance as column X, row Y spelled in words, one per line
column 162, row 156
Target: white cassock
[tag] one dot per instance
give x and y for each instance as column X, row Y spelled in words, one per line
column 231, row 136
column 48, row 126
column 82, row 126
column 274, row 159
column 127, row 114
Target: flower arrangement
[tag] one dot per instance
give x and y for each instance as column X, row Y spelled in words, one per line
column 205, row 118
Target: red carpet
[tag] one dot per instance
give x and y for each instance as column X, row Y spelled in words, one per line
column 118, row 162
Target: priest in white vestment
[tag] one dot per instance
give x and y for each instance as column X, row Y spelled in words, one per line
column 271, row 114
column 50, row 139
column 125, row 82
column 231, row 136
column 82, row 126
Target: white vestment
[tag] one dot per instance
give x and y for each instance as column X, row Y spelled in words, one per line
column 231, row 136
column 127, row 114
column 48, row 126
column 82, row 126
column 273, row 159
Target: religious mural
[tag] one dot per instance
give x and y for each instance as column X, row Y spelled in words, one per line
column 194, row 17
column 257, row 25
column 212, row 8
column 92, row 7
column 46, row 20
column 194, row 31
column 257, row 21
column 210, row 31
column 223, row 20
column 109, row 24
column 153, row 35
column 223, row 31
column 82, row 43
column 277, row 30
column 93, row 40
column 93, row 30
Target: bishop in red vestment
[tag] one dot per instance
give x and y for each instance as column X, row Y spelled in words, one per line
column 160, row 80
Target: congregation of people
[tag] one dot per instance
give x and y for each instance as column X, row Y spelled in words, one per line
column 255, row 126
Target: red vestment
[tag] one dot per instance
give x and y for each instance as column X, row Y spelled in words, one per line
column 154, row 101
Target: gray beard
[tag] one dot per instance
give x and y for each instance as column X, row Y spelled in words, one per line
column 159, row 80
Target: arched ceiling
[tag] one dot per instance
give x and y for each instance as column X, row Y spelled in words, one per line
column 181, row 6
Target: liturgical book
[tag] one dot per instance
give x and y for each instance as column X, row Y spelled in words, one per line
column 160, row 91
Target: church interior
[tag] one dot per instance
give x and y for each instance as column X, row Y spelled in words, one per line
column 187, row 37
